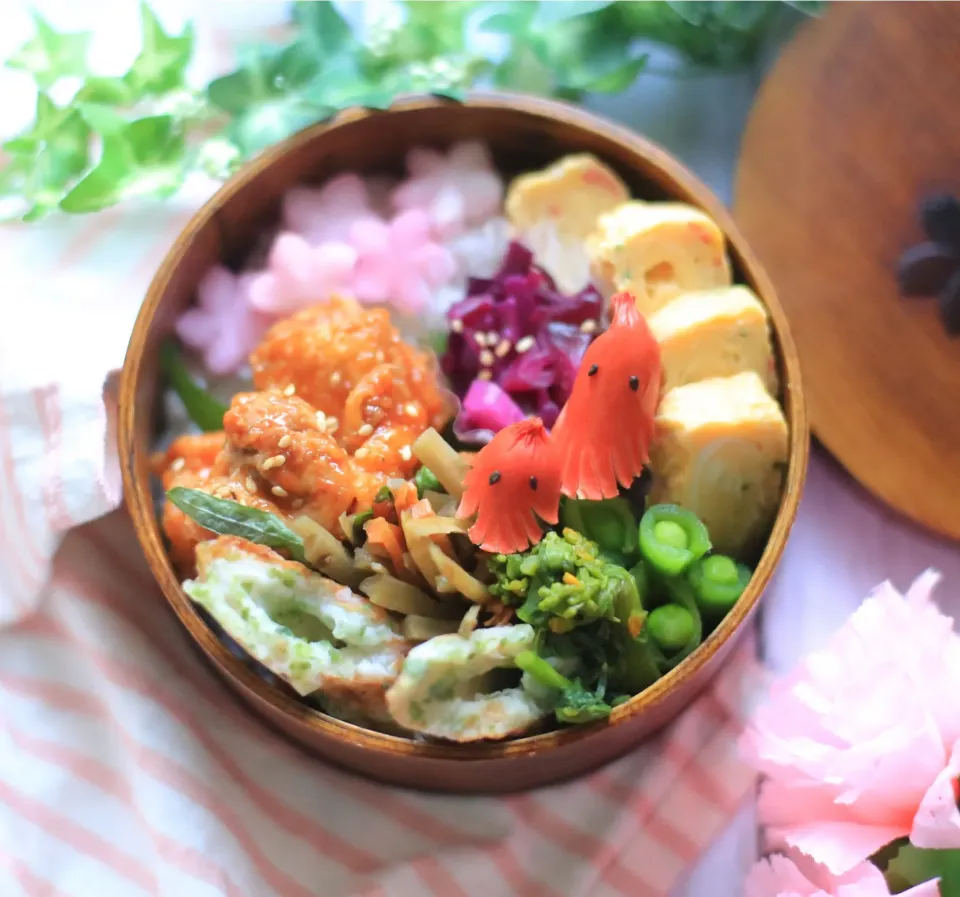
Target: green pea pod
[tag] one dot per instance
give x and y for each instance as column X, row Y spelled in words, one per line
column 671, row 627
column 717, row 581
column 610, row 523
column 205, row 411
column 230, row 518
column 681, row 593
column 672, row 538
column 642, row 579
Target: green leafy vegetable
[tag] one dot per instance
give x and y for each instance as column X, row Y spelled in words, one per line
column 204, row 410
column 230, row 518
column 148, row 121
column 573, row 703
column 610, row 523
column 426, row 481
column 913, row 866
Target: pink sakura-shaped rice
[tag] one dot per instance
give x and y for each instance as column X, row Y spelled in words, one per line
column 324, row 214
column 456, row 191
column 398, row 262
column 299, row 275
column 223, row 326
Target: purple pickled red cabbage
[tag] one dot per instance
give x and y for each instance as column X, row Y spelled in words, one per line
column 526, row 336
column 486, row 408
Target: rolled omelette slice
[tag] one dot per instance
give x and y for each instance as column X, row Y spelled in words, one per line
column 312, row 632
column 552, row 212
column 714, row 333
column 721, row 451
column 657, row 251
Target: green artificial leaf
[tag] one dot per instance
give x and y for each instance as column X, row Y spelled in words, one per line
column 49, row 55
column 323, row 27
column 109, row 91
column 551, row 12
column 102, row 118
column 144, row 159
column 204, row 409
column 163, row 58
column 808, row 7
column 230, row 518
column 48, row 157
column 913, row 866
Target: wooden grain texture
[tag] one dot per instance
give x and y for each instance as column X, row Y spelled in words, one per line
column 849, row 131
column 522, row 133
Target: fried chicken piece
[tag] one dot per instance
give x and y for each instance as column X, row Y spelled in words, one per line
column 349, row 362
column 277, row 444
column 193, row 453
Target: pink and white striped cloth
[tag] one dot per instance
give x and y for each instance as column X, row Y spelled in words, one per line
column 127, row 768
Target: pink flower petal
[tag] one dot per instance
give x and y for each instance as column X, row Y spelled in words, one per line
column 265, row 295
column 840, row 846
column 937, row 822
column 196, row 328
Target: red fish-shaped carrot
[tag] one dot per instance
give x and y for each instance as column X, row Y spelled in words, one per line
column 513, row 480
column 604, row 432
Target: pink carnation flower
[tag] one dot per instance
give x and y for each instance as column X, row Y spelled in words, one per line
column 780, row 876
column 456, row 191
column 223, row 326
column 861, row 745
column 398, row 262
column 299, row 275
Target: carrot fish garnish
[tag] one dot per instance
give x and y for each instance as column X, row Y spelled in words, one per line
column 513, row 481
column 604, row 432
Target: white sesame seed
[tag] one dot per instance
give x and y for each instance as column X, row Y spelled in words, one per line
column 297, row 503
column 284, row 441
column 503, row 347
column 361, row 452
column 525, row 344
column 290, row 390
column 279, row 491
column 251, row 486
column 379, row 356
column 406, row 452
column 486, row 358
column 456, row 325
column 588, row 327
column 178, row 465
column 485, row 375
column 411, row 409
column 480, row 339
column 365, row 430
column 335, row 378
column 492, row 338
column 321, row 420
column 332, row 424
column 279, row 460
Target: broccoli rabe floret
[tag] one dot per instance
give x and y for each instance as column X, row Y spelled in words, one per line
column 565, row 582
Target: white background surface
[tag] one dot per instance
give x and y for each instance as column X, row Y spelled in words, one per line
column 843, row 542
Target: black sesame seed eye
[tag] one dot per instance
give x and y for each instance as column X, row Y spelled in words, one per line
column 593, row 370
column 634, row 382
column 533, row 483
column 494, row 478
